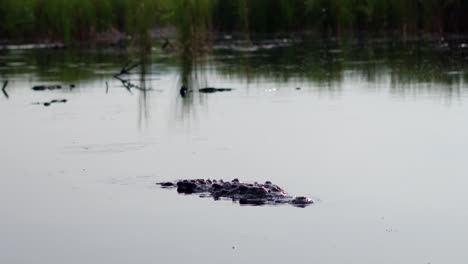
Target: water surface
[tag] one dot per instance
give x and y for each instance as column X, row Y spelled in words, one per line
column 376, row 134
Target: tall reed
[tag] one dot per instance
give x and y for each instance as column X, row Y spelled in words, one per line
column 80, row 19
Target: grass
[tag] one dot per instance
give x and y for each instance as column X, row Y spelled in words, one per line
column 70, row 20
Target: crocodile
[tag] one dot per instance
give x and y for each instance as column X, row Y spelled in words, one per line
column 245, row 193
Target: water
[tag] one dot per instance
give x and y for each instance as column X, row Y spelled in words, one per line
column 376, row 134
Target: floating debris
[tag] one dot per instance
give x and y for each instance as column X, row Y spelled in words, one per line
column 214, row 90
column 46, row 87
column 55, row 101
column 184, row 91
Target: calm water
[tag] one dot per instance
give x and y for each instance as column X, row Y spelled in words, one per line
column 377, row 134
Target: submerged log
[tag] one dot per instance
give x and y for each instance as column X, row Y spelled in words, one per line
column 214, row 90
column 55, row 101
column 184, row 90
column 46, row 87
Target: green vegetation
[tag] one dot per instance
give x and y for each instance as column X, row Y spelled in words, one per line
column 81, row 19
column 336, row 16
column 77, row 19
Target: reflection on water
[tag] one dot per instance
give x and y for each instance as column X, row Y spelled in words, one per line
column 408, row 65
column 375, row 131
column 431, row 68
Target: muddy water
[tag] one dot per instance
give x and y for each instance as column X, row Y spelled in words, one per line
column 376, row 134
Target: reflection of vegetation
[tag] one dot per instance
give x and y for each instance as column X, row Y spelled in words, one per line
column 403, row 64
column 144, row 95
column 63, row 65
column 191, row 19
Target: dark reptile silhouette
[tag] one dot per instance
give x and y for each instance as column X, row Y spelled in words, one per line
column 244, row 193
column 184, row 91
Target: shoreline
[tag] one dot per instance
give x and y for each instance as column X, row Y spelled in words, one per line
column 115, row 38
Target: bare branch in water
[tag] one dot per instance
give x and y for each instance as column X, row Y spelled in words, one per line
column 127, row 82
column 128, row 67
column 4, row 89
column 123, row 70
column 124, row 83
column 132, row 67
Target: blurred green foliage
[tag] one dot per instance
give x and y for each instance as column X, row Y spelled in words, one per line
column 81, row 19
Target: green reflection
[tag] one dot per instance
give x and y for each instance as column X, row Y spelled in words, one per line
column 432, row 65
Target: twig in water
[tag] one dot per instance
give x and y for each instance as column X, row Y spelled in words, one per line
column 125, row 83
column 167, row 44
column 124, row 68
column 132, row 67
column 3, row 89
column 129, row 85
column 128, row 67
